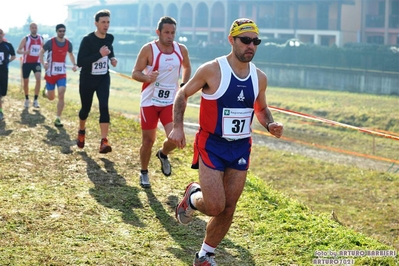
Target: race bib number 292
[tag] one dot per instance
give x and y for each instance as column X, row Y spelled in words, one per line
column 100, row 67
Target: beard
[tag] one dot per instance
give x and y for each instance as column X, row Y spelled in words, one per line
column 245, row 58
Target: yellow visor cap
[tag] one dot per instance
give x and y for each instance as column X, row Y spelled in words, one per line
column 243, row 25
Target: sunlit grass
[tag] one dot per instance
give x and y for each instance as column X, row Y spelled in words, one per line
column 65, row 206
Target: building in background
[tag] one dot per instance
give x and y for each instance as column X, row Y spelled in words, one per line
column 321, row 22
column 380, row 21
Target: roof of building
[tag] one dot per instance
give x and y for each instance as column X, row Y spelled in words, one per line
column 93, row 3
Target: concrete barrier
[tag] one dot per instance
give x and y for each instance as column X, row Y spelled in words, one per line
column 310, row 77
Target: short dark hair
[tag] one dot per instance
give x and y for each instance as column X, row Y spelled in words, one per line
column 165, row 20
column 59, row 26
column 102, row 13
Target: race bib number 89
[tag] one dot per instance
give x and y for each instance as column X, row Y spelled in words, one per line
column 164, row 94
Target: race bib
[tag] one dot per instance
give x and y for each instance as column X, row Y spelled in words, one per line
column 100, row 67
column 58, row 68
column 1, row 56
column 236, row 123
column 34, row 50
column 164, row 94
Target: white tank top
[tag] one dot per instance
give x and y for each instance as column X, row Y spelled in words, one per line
column 162, row 92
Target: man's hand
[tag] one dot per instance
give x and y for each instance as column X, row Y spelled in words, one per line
column 104, row 51
column 153, row 76
column 114, row 61
column 276, row 129
column 177, row 137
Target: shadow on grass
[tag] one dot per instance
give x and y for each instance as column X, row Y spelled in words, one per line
column 59, row 138
column 32, row 120
column 3, row 131
column 193, row 233
column 111, row 190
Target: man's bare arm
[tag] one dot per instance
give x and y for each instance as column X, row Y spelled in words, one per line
column 21, row 46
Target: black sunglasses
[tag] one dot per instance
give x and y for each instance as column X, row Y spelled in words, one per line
column 248, row 40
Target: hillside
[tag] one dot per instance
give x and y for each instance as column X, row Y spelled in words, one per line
column 63, row 206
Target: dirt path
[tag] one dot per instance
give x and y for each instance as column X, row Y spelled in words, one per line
column 329, row 156
column 320, row 154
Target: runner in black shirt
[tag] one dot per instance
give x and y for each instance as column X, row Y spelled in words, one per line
column 7, row 54
column 95, row 54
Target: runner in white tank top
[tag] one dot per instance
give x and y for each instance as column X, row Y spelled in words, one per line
column 163, row 91
column 158, row 66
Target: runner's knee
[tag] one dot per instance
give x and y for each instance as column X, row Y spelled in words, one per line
column 83, row 114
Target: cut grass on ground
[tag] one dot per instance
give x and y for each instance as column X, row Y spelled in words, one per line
column 65, row 206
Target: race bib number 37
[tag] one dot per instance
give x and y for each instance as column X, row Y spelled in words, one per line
column 237, row 122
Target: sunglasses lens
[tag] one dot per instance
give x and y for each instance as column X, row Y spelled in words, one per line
column 245, row 40
column 257, row 41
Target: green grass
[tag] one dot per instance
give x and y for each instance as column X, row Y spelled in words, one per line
column 64, row 206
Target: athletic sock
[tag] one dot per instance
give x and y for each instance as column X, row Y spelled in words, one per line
column 26, row 97
column 205, row 249
column 192, row 200
column 36, row 96
column 163, row 155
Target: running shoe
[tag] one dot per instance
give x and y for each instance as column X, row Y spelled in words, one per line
column 207, row 260
column 36, row 104
column 145, row 180
column 58, row 123
column 184, row 212
column 104, row 146
column 165, row 164
column 26, row 104
column 1, row 116
column 81, row 138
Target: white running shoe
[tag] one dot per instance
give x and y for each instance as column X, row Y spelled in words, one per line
column 36, row 104
column 145, row 180
column 26, row 104
column 165, row 164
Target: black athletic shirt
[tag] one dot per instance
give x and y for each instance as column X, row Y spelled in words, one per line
column 89, row 52
column 7, row 50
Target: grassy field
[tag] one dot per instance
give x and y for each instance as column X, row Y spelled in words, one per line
column 63, row 206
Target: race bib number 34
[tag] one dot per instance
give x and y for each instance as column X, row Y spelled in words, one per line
column 237, row 122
